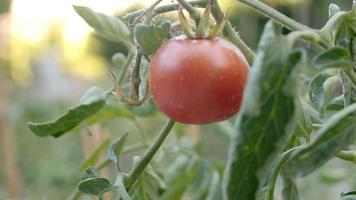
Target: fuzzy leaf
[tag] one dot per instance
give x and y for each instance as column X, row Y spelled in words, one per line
column 110, row 27
column 91, row 102
column 336, row 134
column 267, row 114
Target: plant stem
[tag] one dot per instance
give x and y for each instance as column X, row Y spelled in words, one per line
column 231, row 34
column 347, row 155
column 276, row 15
column 142, row 164
column 164, row 9
column 146, row 11
column 125, row 67
column 76, row 193
column 135, row 77
column 193, row 13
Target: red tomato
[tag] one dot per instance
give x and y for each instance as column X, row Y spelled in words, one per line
column 198, row 81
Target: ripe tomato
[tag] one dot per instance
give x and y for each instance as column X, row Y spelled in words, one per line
column 198, row 81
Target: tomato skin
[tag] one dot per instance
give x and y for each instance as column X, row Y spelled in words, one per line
column 198, row 81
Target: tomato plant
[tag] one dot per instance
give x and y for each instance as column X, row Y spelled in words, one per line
column 297, row 110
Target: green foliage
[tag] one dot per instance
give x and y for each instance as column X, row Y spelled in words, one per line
column 267, row 113
column 348, row 196
column 336, row 134
column 96, row 155
column 336, row 57
column 95, row 186
column 116, row 150
column 150, row 37
column 110, row 27
column 92, row 101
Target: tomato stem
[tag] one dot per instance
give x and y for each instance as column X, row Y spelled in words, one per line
column 231, row 34
column 147, row 157
column 135, row 77
column 163, row 9
column 193, row 13
column 276, row 15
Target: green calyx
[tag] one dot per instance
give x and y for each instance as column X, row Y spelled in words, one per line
column 202, row 28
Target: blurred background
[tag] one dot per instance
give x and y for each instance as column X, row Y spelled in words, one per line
column 49, row 57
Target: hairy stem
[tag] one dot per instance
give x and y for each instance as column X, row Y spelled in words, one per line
column 142, row 164
column 231, row 34
column 277, row 16
column 135, row 77
column 163, row 9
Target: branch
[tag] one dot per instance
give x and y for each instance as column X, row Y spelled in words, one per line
column 276, row 15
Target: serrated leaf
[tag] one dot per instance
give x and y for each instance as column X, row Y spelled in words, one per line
column 336, row 134
column 150, row 37
column 336, row 57
column 92, row 102
column 95, row 186
column 266, row 115
column 110, row 27
column 96, row 155
column 89, row 173
column 116, row 149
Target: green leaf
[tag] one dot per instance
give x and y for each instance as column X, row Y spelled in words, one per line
column 116, row 149
column 215, row 188
column 268, row 188
column 111, row 110
column 95, row 186
column 145, row 110
column 316, row 91
column 91, row 103
column 266, row 115
column 336, row 104
column 336, row 134
column 89, row 173
column 110, row 27
column 289, row 190
column 348, row 89
column 348, row 196
column 96, row 155
column 333, row 9
column 150, row 37
column 121, row 188
column 336, row 57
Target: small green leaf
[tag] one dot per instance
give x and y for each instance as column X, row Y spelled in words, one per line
column 289, row 190
column 268, row 188
column 145, row 110
column 333, row 9
column 348, row 89
column 95, row 186
column 336, row 57
column 116, row 149
column 215, row 188
column 110, row 27
column 118, row 59
column 336, row 134
column 91, row 103
column 121, row 188
column 89, row 173
column 348, row 196
column 96, row 155
column 150, row 37
column 316, row 92
column 336, row 104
